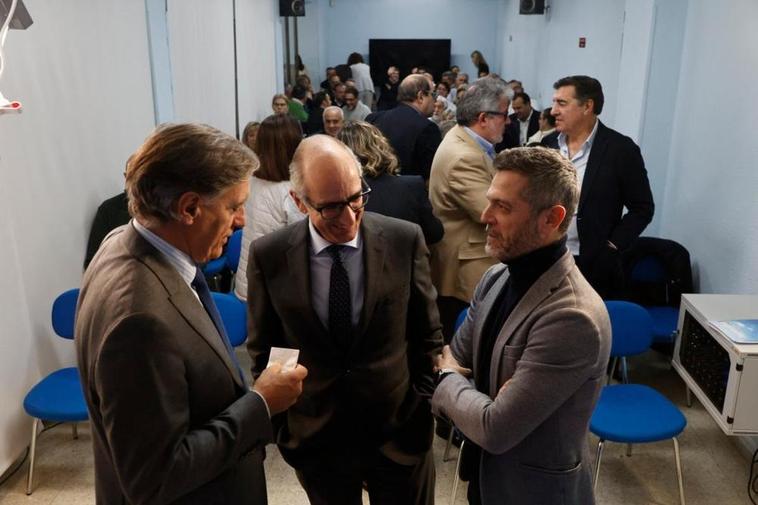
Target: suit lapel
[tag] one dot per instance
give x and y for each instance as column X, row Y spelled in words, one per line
column 183, row 299
column 597, row 153
column 374, row 250
column 539, row 291
column 485, row 307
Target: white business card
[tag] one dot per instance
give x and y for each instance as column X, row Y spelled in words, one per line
column 285, row 357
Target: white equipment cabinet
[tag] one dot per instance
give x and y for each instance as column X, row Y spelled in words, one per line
column 722, row 374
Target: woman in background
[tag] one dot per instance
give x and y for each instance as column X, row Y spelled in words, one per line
column 400, row 196
column 250, row 133
column 269, row 206
column 361, row 74
column 482, row 68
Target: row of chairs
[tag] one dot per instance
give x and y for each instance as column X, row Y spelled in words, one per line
column 58, row 398
column 625, row 413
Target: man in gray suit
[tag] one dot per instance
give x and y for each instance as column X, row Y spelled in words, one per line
column 172, row 419
column 351, row 290
column 537, row 337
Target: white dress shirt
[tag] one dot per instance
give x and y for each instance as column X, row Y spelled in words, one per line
column 579, row 159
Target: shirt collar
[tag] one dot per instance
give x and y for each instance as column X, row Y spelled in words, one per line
column 586, row 146
column 319, row 243
column 528, row 119
column 178, row 259
column 484, row 143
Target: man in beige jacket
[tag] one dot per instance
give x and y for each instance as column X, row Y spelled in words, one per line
column 461, row 173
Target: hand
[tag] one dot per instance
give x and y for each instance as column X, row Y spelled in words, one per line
column 280, row 389
column 446, row 360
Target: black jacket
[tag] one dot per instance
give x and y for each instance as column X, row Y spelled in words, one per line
column 405, row 197
column 414, row 137
column 615, row 178
column 512, row 131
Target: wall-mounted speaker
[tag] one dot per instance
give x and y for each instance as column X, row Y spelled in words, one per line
column 292, row 8
column 531, row 7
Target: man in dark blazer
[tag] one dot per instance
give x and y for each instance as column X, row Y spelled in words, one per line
column 611, row 174
column 350, row 290
column 537, row 338
column 407, row 127
column 525, row 122
column 172, row 419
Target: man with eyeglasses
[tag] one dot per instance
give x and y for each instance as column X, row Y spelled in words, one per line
column 352, row 291
column 461, row 174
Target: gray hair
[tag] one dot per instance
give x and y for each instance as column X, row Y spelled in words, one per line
column 334, row 108
column 551, row 178
column 320, row 142
column 180, row 158
column 481, row 96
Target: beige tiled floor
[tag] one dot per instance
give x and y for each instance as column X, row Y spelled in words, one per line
column 715, row 472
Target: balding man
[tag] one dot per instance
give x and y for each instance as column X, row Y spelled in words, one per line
column 334, row 120
column 351, row 290
column 407, row 126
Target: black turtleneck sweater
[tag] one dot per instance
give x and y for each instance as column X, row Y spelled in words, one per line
column 524, row 271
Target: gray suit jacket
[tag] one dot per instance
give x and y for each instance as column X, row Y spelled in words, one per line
column 171, row 420
column 553, row 348
column 366, row 396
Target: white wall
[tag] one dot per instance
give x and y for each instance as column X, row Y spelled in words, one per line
column 658, row 117
column 539, row 49
column 346, row 26
column 711, row 196
column 82, row 72
column 257, row 38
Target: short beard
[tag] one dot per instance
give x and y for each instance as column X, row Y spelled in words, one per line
column 526, row 241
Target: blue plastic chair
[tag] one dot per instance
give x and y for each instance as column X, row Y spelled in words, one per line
column 650, row 270
column 633, row 413
column 234, row 315
column 58, row 397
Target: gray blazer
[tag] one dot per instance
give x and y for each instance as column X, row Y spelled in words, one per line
column 553, row 349
column 171, row 419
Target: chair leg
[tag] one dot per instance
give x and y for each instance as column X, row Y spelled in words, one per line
column 610, row 373
column 455, row 477
column 679, row 470
column 624, row 371
column 32, row 451
column 629, row 450
column 597, row 465
column 446, row 455
column 689, row 395
column 75, row 431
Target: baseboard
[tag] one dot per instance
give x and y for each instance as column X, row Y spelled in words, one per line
column 747, row 446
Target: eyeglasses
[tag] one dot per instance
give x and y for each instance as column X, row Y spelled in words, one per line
column 334, row 210
column 495, row 113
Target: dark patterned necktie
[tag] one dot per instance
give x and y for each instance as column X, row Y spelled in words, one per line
column 340, row 302
column 204, row 293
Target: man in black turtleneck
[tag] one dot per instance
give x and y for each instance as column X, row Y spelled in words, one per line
column 537, row 337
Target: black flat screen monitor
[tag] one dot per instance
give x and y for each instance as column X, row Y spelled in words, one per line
column 433, row 54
